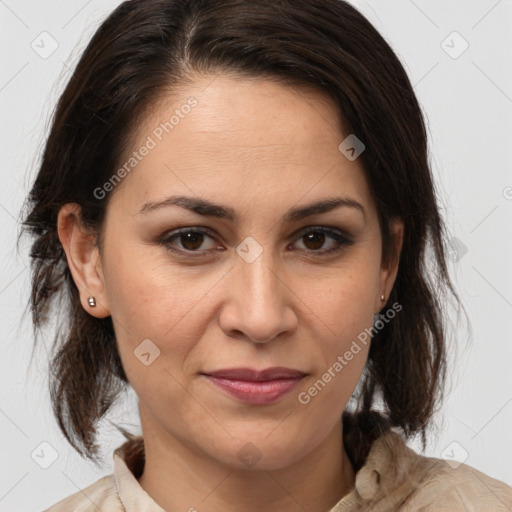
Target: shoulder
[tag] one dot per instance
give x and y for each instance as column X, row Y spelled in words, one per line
column 101, row 495
column 396, row 476
column 461, row 488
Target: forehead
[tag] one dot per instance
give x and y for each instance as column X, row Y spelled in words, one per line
column 241, row 140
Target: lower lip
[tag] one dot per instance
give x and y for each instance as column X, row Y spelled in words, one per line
column 256, row 392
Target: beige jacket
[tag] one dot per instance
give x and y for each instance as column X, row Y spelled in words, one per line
column 390, row 477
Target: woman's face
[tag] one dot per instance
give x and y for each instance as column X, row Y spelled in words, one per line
column 248, row 287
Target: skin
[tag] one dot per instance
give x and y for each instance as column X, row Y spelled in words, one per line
column 260, row 148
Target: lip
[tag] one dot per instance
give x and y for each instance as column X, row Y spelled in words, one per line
column 256, row 387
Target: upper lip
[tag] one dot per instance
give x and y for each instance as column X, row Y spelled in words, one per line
column 251, row 375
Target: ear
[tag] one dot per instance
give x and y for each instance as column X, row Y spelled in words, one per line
column 83, row 259
column 389, row 267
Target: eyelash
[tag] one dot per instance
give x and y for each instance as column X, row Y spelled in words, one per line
column 167, row 238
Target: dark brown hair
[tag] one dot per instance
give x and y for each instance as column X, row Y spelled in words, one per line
column 143, row 50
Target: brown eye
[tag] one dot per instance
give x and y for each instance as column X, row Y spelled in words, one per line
column 315, row 238
column 192, row 240
column 189, row 241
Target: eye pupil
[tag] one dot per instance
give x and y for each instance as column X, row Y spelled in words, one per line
column 192, row 237
column 317, row 238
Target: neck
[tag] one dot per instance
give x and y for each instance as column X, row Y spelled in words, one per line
column 180, row 478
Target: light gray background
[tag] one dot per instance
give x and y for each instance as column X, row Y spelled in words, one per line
column 468, row 104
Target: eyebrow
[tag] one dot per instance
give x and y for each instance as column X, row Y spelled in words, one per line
column 208, row 209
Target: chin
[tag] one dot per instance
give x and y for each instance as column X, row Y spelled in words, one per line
column 261, row 451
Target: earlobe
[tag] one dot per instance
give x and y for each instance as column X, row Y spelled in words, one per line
column 83, row 259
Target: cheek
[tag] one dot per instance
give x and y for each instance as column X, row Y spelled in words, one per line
column 343, row 316
column 150, row 293
column 154, row 302
column 344, row 299
column 342, row 305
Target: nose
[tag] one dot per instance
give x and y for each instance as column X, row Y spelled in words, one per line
column 259, row 301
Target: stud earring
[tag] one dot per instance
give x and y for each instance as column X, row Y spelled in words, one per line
column 382, row 298
column 92, row 301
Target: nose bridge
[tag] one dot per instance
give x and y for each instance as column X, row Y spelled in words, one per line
column 257, row 306
column 259, row 278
